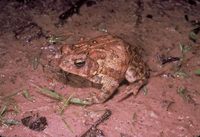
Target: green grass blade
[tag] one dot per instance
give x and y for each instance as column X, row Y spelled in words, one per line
column 197, row 72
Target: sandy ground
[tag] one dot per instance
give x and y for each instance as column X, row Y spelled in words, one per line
column 168, row 106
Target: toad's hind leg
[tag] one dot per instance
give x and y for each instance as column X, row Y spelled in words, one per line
column 108, row 88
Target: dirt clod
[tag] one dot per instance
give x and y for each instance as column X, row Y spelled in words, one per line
column 35, row 122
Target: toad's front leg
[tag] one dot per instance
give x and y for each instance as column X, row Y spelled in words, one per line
column 108, row 88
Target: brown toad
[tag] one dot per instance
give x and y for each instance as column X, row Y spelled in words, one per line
column 105, row 60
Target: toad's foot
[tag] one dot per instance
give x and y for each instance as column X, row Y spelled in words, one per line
column 95, row 100
column 133, row 88
column 104, row 94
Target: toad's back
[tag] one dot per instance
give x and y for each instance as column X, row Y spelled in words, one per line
column 111, row 54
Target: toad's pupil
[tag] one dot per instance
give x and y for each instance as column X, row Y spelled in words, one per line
column 79, row 63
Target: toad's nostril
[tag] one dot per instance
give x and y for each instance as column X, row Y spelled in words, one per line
column 79, row 63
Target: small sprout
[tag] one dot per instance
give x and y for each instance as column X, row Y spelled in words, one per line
column 184, row 48
column 10, row 95
column 66, row 103
column 78, row 101
column 10, row 122
column 180, row 74
column 10, row 105
column 35, row 62
column 55, row 39
column 50, row 93
column 59, row 97
column 193, row 36
column 3, row 110
column 67, row 125
column 183, row 92
column 27, row 95
column 16, row 109
column 197, row 72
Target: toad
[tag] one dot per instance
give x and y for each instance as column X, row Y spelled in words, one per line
column 106, row 60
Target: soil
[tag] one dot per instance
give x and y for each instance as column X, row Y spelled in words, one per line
column 31, row 35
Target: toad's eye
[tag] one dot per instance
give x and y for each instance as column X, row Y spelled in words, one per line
column 79, row 63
